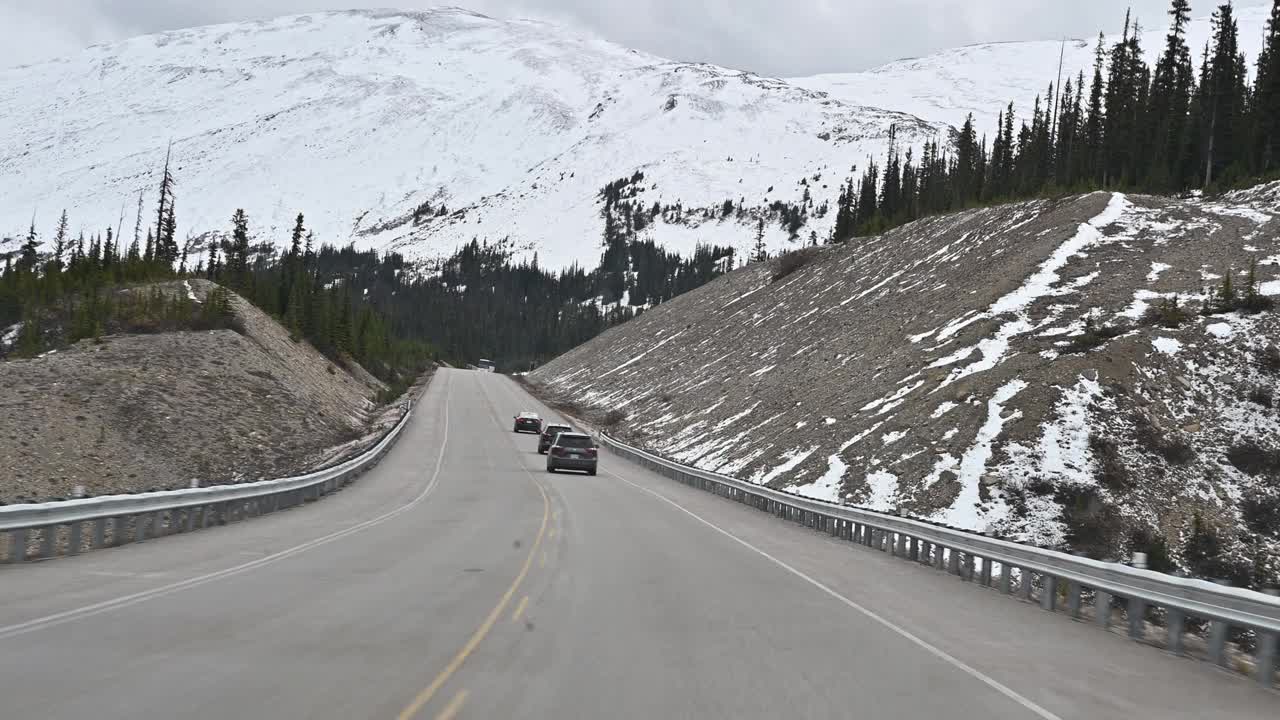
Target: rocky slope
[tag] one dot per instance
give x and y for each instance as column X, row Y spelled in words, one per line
column 996, row 369
column 149, row 412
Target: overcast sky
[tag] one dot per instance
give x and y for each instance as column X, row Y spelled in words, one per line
column 772, row 37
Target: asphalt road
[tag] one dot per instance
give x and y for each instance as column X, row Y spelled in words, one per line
column 458, row 579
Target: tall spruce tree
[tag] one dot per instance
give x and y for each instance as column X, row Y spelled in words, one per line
column 760, row 252
column 166, row 194
column 28, row 254
column 238, row 252
column 1169, row 102
column 1092, row 167
column 1223, row 104
column 966, row 163
column 59, row 243
column 1266, row 102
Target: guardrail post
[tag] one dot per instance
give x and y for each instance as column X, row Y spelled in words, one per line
column 953, row 563
column 939, row 557
column 968, row 567
column 1073, row 598
column 99, row 533
column 986, row 572
column 1217, row 642
column 902, row 545
column 915, row 549
column 1175, row 620
column 75, row 533
column 18, row 545
column 47, row 535
column 191, row 518
column 1048, row 592
column 926, row 552
column 1137, row 610
column 1006, row 579
column 1264, row 658
column 140, row 522
column 1024, row 588
column 1102, row 609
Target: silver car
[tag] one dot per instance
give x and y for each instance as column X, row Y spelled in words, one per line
column 573, row 451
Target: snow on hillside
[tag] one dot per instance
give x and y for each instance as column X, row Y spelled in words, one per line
column 983, row 79
column 955, row 369
column 357, row 118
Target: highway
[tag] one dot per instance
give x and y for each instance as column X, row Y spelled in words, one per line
column 459, row 580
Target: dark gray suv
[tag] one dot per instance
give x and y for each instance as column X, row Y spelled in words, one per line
column 573, row 451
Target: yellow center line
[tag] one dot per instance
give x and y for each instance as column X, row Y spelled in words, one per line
column 454, row 707
column 524, row 602
column 481, row 632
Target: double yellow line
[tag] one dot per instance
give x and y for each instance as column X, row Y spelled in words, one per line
column 424, row 697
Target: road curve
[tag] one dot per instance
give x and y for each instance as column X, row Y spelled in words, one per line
column 459, row 580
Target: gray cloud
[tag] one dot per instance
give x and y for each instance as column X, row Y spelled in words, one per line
column 799, row 37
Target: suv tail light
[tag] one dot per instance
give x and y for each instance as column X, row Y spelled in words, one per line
column 557, row 451
column 591, row 452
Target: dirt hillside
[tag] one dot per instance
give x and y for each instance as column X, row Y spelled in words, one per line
column 996, row 369
column 149, row 412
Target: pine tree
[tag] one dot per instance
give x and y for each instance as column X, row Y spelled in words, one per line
column 1266, row 104
column 238, row 252
column 149, row 255
column 166, row 193
column 28, row 255
column 760, row 253
column 108, row 250
column 211, row 269
column 1091, row 156
column 967, row 153
column 59, row 243
column 1170, row 100
column 1125, row 99
column 292, row 267
column 137, row 224
column 1224, row 96
column 1067, row 133
column 169, row 240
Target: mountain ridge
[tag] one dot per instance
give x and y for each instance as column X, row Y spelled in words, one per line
column 368, row 115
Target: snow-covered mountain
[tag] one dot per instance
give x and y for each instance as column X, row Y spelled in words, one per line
column 982, row 79
column 357, row 118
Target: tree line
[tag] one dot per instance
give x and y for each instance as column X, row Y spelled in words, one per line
column 1164, row 129
column 89, row 286
column 385, row 312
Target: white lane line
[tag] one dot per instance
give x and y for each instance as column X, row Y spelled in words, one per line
column 22, row 628
column 933, row 650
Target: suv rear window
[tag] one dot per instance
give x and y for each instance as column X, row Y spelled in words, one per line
column 575, row 441
column 556, row 429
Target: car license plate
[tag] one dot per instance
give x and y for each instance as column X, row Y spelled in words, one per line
column 575, row 455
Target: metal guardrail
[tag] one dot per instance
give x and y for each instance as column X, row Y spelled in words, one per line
column 1047, row 576
column 37, row 531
